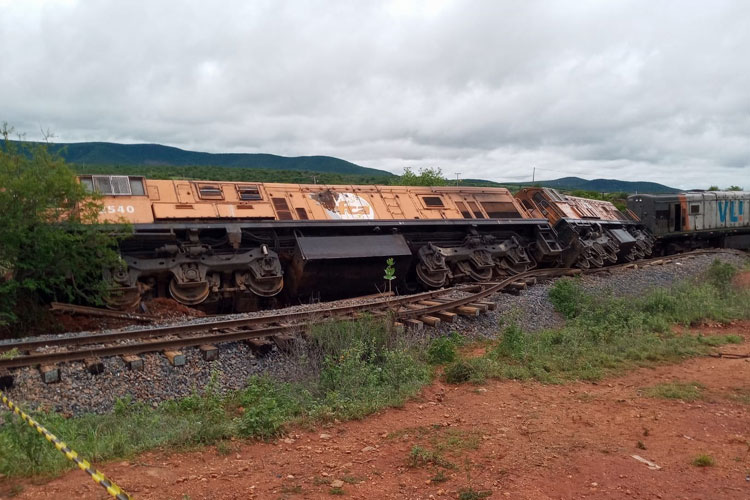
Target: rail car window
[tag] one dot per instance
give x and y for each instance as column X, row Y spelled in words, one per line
column 464, row 211
column 249, row 193
column 301, row 213
column 662, row 214
column 500, row 209
column 210, row 192
column 433, row 201
column 695, row 209
column 475, row 210
column 282, row 209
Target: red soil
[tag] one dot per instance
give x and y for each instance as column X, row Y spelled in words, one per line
column 532, row 441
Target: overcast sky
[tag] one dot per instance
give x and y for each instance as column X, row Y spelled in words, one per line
column 634, row 90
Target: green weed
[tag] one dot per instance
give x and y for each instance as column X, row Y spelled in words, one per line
column 471, row 494
column 686, row 391
column 419, row 457
column 703, row 460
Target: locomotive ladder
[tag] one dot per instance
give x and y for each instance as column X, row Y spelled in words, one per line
column 393, row 206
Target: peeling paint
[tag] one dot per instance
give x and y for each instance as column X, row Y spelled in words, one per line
column 344, row 205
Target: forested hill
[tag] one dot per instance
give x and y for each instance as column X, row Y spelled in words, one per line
column 156, row 155
column 604, row 185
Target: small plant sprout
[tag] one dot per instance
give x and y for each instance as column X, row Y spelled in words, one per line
column 390, row 272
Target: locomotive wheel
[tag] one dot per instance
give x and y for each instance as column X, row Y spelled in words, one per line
column 475, row 273
column 582, row 262
column 505, row 268
column 189, row 294
column 595, row 259
column 265, row 288
column 123, row 299
column 431, row 279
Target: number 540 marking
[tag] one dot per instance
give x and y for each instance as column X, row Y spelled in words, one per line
column 118, row 209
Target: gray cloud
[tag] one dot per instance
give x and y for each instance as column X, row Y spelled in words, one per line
column 635, row 90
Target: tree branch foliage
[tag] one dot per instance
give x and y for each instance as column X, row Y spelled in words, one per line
column 425, row 177
column 50, row 248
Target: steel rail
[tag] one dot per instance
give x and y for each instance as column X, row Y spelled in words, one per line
column 157, row 331
column 260, row 331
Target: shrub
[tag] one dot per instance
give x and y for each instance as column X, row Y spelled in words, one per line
column 568, row 297
column 704, row 460
column 442, row 350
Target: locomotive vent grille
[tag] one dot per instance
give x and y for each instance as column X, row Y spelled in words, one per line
column 112, row 184
column 282, row 209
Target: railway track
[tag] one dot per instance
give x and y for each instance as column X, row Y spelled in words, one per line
column 410, row 311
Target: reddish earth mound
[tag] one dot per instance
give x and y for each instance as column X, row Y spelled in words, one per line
column 520, row 440
column 165, row 308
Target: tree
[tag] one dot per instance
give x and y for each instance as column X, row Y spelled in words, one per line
column 426, row 177
column 713, row 188
column 51, row 247
column 734, row 188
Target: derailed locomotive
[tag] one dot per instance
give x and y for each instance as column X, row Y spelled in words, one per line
column 695, row 219
column 237, row 246
column 592, row 233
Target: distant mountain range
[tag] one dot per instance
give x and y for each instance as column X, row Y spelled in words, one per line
column 156, row 155
column 603, row 185
column 109, row 153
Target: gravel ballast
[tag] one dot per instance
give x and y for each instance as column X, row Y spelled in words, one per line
column 80, row 392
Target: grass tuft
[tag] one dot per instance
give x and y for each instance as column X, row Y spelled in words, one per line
column 703, row 460
column 686, row 391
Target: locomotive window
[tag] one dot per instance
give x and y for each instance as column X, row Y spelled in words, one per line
column 249, row 193
column 301, row 213
column 662, row 214
column 475, row 209
column 210, row 192
column 695, row 209
column 433, row 201
column 500, row 209
column 111, row 184
column 87, row 183
column 136, row 187
column 464, row 211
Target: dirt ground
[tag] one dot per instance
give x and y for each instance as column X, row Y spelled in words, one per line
column 504, row 439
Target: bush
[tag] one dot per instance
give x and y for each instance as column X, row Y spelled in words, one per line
column 568, row 297
column 442, row 350
column 50, row 248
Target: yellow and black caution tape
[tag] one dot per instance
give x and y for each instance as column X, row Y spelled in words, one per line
column 82, row 464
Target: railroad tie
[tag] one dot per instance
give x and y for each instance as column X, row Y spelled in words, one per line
column 447, row 316
column 50, row 373
column 430, row 320
column 466, row 311
column 482, row 307
column 176, row 358
column 210, row 352
column 133, row 362
column 6, row 379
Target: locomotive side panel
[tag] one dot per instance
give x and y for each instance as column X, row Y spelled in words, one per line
column 591, row 232
column 227, row 246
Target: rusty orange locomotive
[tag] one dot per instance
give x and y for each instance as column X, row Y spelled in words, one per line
column 235, row 245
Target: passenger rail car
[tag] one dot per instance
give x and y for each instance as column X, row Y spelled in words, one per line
column 229, row 245
column 592, row 233
column 698, row 219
